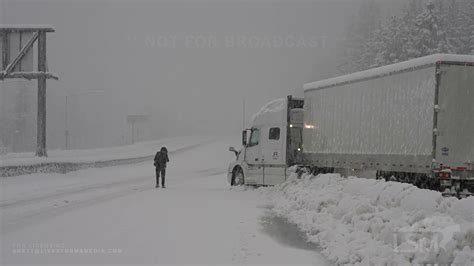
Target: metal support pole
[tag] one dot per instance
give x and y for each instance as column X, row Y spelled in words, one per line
column 5, row 50
column 66, row 128
column 133, row 132
column 41, row 121
column 243, row 114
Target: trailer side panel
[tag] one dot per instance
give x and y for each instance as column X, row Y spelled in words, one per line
column 380, row 123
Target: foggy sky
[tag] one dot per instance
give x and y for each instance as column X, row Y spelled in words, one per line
column 187, row 64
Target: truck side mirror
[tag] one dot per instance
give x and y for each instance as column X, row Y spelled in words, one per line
column 232, row 149
column 244, row 138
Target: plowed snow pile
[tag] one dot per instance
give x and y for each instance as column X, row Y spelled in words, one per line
column 364, row 221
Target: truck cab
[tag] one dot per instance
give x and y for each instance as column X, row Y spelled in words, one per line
column 271, row 144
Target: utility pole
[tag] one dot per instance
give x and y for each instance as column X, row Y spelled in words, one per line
column 243, row 114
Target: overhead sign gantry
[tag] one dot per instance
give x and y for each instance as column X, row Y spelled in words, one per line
column 17, row 62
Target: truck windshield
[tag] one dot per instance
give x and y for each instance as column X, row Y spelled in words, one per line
column 254, row 137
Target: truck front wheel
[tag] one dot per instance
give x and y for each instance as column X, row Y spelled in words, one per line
column 237, row 177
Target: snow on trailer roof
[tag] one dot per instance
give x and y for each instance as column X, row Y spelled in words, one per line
column 390, row 69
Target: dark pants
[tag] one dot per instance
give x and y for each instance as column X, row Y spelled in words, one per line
column 162, row 171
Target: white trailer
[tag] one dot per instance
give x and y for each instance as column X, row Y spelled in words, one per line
column 411, row 122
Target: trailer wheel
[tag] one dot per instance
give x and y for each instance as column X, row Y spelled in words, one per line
column 237, row 177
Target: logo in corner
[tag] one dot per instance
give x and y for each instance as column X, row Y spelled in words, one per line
column 445, row 151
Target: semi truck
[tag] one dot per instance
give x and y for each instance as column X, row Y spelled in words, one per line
column 410, row 122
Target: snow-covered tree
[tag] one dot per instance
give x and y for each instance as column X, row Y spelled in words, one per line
column 412, row 9
column 391, row 45
column 466, row 29
column 431, row 29
column 423, row 28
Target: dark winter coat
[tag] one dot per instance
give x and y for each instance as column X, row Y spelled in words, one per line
column 161, row 158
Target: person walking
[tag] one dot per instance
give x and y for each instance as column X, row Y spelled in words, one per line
column 160, row 161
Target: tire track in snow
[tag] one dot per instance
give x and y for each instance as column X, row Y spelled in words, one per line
column 13, row 220
column 81, row 189
column 241, row 249
column 17, row 222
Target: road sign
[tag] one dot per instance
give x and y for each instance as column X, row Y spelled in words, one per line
column 15, row 42
column 137, row 118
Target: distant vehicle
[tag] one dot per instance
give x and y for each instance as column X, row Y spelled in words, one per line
column 411, row 122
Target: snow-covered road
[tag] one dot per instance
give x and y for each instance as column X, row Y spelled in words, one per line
column 115, row 216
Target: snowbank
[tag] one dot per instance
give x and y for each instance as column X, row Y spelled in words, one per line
column 364, row 221
column 63, row 161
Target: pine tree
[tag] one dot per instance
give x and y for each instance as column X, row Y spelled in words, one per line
column 432, row 30
column 455, row 34
column 466, row 27
column 396, row 41
column 423, row 28
column 412, row 9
